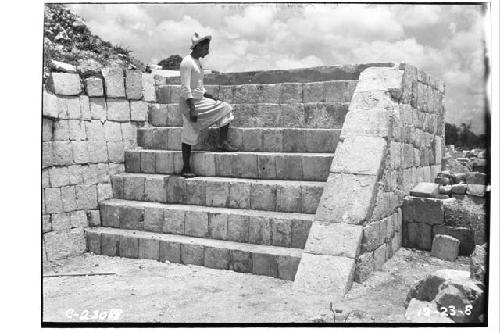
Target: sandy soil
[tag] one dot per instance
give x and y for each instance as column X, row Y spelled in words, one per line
column 150, row 291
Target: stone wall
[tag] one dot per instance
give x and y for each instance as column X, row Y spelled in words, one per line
column 87, row 123
column 392, row 138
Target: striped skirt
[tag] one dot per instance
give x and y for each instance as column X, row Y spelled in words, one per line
column 210, row 113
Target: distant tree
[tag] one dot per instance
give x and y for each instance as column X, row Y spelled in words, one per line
column 173, row 62
column 462, row 136
column 451, row 134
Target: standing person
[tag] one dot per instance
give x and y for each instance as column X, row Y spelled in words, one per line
column 199, row 109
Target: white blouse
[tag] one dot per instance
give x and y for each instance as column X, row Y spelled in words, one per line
column 191, row 78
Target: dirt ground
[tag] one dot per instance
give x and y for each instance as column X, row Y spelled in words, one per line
column 150, row 291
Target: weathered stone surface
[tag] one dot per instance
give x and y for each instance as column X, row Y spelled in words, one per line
column 460, row 189
column 64, row 83
column 131, row 218
column 241, row 261
column 425, row 190
column 118, row 109
column 113, row 82
column 263, row 196
column 477, row 263
column 346, row 198
column 170, row 251
column 476, row 178
column 134, row 188
column 267, row 166
column 217, row 194
column 148, row 87
column 173, row 221
column 68, row 197
column 288, row 198
column 287, row 267
column 336, row 239
column 155, row 189
column 311, row 196
column 380, row 256
column 94, row 218
column 300, row 232
column 50, row 107
column 133, row 84
column 325, row 274
column 264, row 264
column 237, row 228
column 445, row 247
column 110, row 216
column 109, row 244
column 64, row 243
column 129, row 247
column 476, row 190
column 217, row 226
column 61, row 221
column 94, row 87
column 291, row 93
column 418, row 235
column 423, row 210
column 80, row 151
column 259, row 230
column 192, row 254
column 216, row 258
column 195, row 192
column 365, row 265
column 112, row 131
column 93, row 241
column 359, row 155
column 149, row 248
column 62, row 153
column 138, row 110
column 196, row 224
column 281, row 232
column 53, row 202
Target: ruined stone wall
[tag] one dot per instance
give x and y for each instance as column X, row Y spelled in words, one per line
column 87, row 123
column 391, row 139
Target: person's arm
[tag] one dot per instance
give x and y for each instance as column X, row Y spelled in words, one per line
column 185, row 70
column 210, row 96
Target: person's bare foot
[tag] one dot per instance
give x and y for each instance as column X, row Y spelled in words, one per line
column 187, row 173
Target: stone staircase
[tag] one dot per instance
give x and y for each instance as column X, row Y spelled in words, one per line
column 248, row 211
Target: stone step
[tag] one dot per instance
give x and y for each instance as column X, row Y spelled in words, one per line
column 288, row 196
column 302, row 115
column 294, row 140
column 266, row 260
column 255, row 165
column 238, row 225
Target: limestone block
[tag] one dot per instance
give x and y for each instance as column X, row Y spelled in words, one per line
column 59, row 176
column 85, row 107
column 47, row 154
column 324, row 115
column 267, row 166
column 241, row 261
column 61, row 130
column 476, row 190
column 244, row 165
column 77, row 130
column 425, row 190
column 476, row 178
column 379, row 78
column 263, row 196
column 372, row 236
column 75, row 174
column 217, row 258
column 134, row 188
column 148, row 87
column 148, row 161
column 174, row 139
column 133, row 84
column 290, row 93
column 129, row 132
column 118, row 109
column 292, row 115
column 335, row 239
column 196, row 224
column 93, row 241
column 155, row 189
column 264, row 264
column 68, row 197
column 359, row 155
column 78, row 219
column 131, row 218
column 217, row 194
column 173, row 221
column 62, row 153
column 50, row 107
column 133, row 161
column 212, row 90
column 460, row 189
column 113, row 82
column 112, row 131
column 47, row 126
column 116, row 152
column 423, row 210
column 311, row 196
column 61, row 221
column 94, row 218
column 86, row 196
column 288, row 197
column 252, row 139
column 445, row 247
column 157, row 114
column 64, row 83
column 80, row 151
column 69, row 107
column 204, row 164
column 192, row 254
column 369, row 115
column 169, row 251
column 290, row 167
column 300, row 232
column 128, row 247
column 195, row 192
column 320, row 140
column 313, row 92
column 338, row 91
column 176, row 190
column 269, row 93
column 94, row 87
column 346, row 198
column 259, row 230
column 246, row 94
column 95, row 130
column 419, row 235
column 328, row 275
column 138, row 110
column 237, row 228
column 64, row 243
column 217, row 225
column 287, row 267
column 109, row 244
column 379, row 256
column 281, row 231
column 104, row 191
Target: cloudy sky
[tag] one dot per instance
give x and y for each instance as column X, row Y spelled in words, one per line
column 444, row 40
